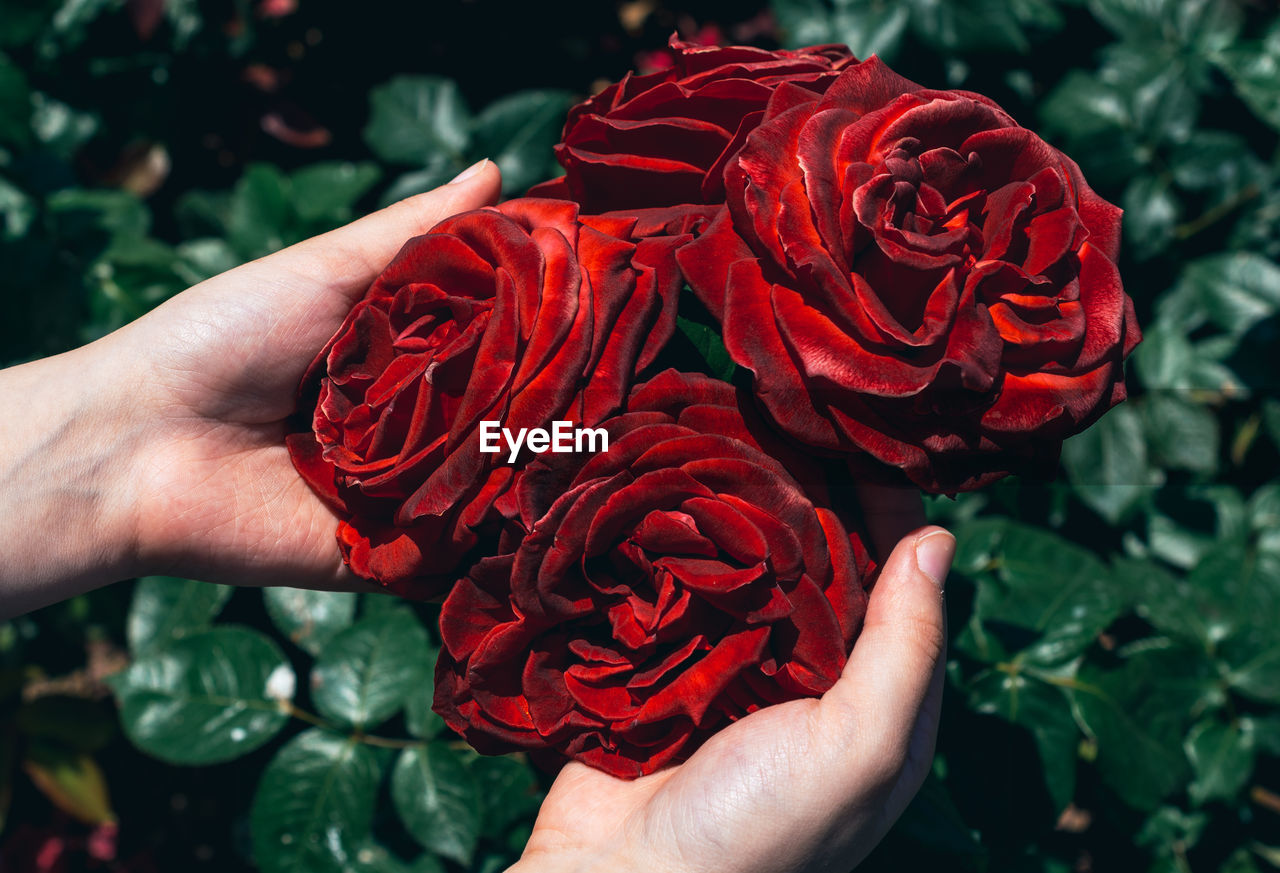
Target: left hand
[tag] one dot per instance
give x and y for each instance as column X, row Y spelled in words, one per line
column 160, row 447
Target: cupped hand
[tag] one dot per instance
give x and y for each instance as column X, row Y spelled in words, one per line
column 218, row 365
column 809, row 785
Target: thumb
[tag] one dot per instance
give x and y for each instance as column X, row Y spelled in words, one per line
column 886, row 703
column 349, row 258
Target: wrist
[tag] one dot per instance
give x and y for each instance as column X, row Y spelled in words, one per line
column 66, row 494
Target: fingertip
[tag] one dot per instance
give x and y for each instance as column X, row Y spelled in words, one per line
column 471, row 172
column 482, row 180
column 934, row 549
column 478, row 185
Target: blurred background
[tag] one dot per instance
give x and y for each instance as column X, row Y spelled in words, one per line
column 1114, row 675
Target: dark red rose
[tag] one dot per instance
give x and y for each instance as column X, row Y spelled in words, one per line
column 522, row 314
column 911, row 275
column 663, row 139
column 674, row 584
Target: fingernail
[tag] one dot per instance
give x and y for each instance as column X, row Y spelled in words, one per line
column 469, row 172
column 933, row 555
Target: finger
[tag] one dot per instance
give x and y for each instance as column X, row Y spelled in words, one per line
column 890, row 513
column 346, row 260
column 885, row 689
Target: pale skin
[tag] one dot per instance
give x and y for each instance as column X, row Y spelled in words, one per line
column 159, row 450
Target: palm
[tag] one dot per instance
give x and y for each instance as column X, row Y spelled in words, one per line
column 699, row 803
column 225, row 502
column 747, row 797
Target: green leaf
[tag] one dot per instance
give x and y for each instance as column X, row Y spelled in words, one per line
column 205, row 213
column 371, row 857
column 710, row 346
column 1265, row 730
column 1045, row 711
column 418, row 717
column 1169, row 826
column 1141, row 98
column 207, row 257
column 1175, row 543
column 1180, row 434
column 1050, row 587
column 310, row 619
column 418, row 120
column 1222, row 758
column 1159, row 92
column 326, row 192
column 72, row 781
column 436, row 798
column 185, row 20
column 1254, row 70
column 519, row 132
column 1107, row 464
column 1083, row 107
column 377, row 603
column 58, row 127
column 72, row 19
column 1217, row 162
column 508, row 792
column 1252, row 655
column 1236, row 290
column 117, row 214
column 1166, row 601
column 17, row 211
column 803, row 22
column 1264, row 507
column 1138, row 712
column 367, row 672
column 427, row 863
column 165, row 609
column 1271, row 417
column 260, row 213
column 1206, row 25
column 1240, row 588
column 15, row 103
column 1168, row 360
column 313, row 809
column 205, row 698
column 871, row 27
column 1241, row 861
column 1151, row 210
column 972, row 26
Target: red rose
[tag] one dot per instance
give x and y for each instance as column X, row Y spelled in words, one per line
column 663, row 139
column 499, row 314
column 910, row 274
column 677, row 582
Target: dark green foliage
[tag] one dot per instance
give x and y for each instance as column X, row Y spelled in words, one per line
column 1113, row 697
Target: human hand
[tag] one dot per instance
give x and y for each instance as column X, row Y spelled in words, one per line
column 809, row 785
column 160, row 447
